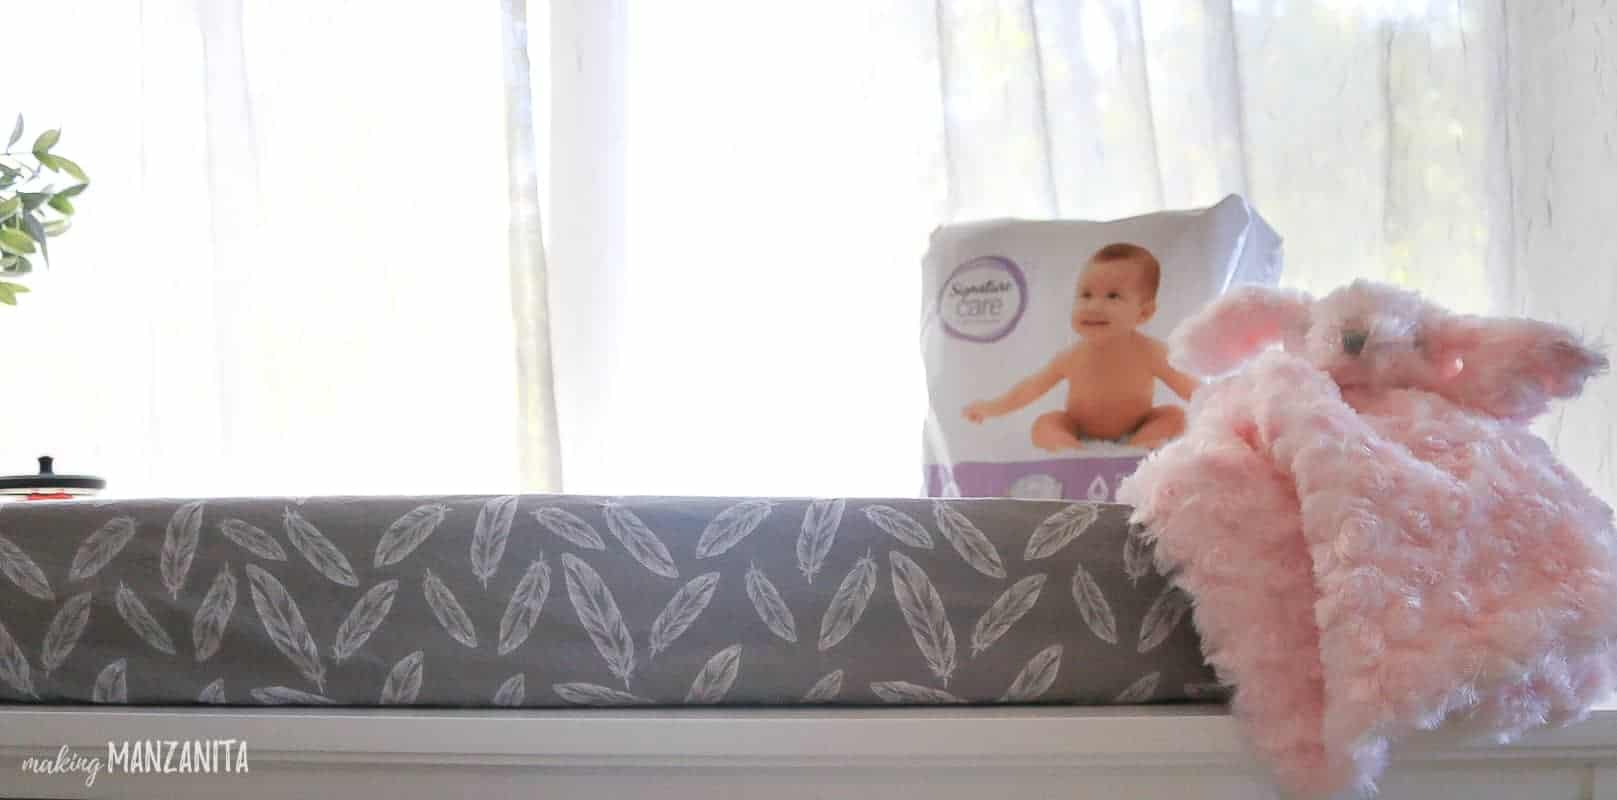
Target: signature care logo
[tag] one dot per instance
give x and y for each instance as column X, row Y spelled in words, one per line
column 983, row 299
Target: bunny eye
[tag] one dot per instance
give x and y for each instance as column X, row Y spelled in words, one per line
column 1353, row 342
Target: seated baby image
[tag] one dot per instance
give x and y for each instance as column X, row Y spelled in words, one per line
column 1112, row 370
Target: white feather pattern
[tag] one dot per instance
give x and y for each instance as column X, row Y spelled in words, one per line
column 1010, row 607
column 848, row 605
column 513, row 692
column 253, row 539
column 1140, row 691
column 1136, row 554
column 713, row 683
column 771, row 607
column 213, row 616
column 639, row 540
column 598, row 613
column 1061, row 529
column 403, row 682
column 906, row 693
column 66, row 628
column 568, row 526
column 924, row 611
column 1036, row 677
column 318, row 550
column 1162, row 618
column 448, row 611
column 22, row 571
column 527, row 601
column 180, row 546
column 968, row 541
column 408, row 532
column 101, row 548
column 141, row 621
column 112, row 685
column 589, row 694
column 900, row 526
column 14, row 671
column 1092, row 606
column 731, row 526
column 682, row 611
column 282, row 696
column 213, row 694
column 284, row 625
column 820, row 523
column 365, row 619
column 825, row 689
column 490, row 535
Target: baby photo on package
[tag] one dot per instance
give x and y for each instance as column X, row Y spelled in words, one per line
column 1045, row 343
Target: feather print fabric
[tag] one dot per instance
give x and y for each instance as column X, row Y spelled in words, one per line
column 525, row 601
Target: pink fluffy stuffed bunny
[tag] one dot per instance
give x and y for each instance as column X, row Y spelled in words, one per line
column 1375, row 541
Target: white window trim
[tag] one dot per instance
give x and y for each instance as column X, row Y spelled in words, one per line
column 1118, row 737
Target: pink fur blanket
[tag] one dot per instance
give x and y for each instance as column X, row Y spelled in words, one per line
column 1374, row 540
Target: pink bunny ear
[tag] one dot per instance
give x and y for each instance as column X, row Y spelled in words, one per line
column 1236, row 327
column 1508, row 368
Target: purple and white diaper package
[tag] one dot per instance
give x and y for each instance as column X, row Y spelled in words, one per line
column 1044, row 343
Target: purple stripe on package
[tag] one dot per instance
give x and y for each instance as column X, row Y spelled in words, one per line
column 1062, row 478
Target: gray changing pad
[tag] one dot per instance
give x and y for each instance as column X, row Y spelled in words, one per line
column 560, row 601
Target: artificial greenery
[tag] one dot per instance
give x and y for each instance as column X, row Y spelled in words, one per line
column 34, row 206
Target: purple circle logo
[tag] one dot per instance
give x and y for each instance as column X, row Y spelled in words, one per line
column 983, row 299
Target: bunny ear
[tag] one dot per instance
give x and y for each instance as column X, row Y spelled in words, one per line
column 1508, row 368
column 1236, row 327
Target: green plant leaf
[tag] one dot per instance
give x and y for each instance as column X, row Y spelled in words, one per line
column 75, row 190
column 9, row 207
column 18, row 265
column 33, row 200
column 7, row 260
column 62, row 204
column 16, row 133
column 46, row 141
column 57, row 227
column 9, row 292
column 48, row 161
column 15, row 242
column 32, row 226
column 67, row 165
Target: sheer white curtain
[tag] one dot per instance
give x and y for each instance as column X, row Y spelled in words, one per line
column 293, row 270
column 310, row 261
column 743, row 191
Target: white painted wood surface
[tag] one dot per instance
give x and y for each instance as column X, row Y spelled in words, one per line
column 969, row 754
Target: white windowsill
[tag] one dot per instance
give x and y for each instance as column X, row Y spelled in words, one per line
column 1047, row 736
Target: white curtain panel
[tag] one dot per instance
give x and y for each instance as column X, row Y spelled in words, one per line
column 742, row 192
column 310, row 262
column 293, row 271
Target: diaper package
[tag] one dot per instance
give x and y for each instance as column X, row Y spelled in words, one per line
column 1045, row 343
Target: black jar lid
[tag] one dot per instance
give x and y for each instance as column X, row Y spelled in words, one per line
column 47, row 479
